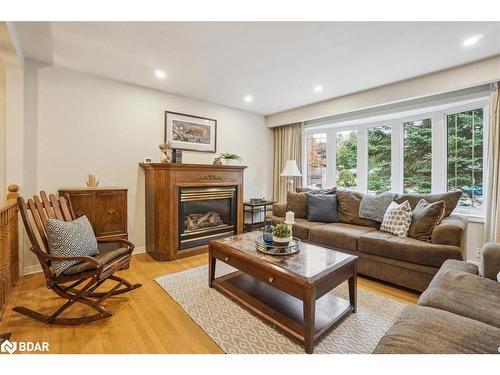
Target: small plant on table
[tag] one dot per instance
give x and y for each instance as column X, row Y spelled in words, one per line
column 282, row 234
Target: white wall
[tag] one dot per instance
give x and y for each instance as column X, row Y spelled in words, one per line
column 11, row 121
column 11, row 132
column 78, row 123
column 474, row 74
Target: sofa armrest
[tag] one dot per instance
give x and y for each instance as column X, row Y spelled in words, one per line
column 451, row 231
column 490, row 260
column 279, row 209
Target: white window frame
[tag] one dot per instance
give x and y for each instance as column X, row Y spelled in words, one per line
column 396, row 121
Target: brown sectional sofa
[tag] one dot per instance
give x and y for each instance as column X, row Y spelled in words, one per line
column 458, row 314
column 403, row 261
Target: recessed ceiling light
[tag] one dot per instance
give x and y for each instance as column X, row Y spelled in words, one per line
column 470, row 41
column 248, row 98
column 160, row 74
column 318, row 88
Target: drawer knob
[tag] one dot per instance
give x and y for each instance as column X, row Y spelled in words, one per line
column 226, row 259
column 271, row 279
column 111, row 211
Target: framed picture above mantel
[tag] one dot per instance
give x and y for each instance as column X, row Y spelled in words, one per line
column 190, row 133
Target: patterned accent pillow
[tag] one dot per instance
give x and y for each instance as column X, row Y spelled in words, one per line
column 70, row 238
column 397, row 219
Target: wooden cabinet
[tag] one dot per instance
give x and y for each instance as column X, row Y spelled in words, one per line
column 106, row 209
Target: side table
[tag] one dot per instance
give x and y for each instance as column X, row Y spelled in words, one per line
column 256, row 209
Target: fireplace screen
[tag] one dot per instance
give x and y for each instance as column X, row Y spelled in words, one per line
column 206, row 213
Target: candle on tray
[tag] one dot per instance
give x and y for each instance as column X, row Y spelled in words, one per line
column 290, row 218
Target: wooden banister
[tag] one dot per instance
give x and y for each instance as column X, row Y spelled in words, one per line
column 9, row 246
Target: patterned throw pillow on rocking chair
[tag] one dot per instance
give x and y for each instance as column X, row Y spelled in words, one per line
column 70, row 238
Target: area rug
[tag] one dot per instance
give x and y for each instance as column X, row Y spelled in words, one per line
column 238, row 331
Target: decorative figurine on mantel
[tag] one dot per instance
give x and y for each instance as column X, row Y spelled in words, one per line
column 218, row 161
column 166, row 149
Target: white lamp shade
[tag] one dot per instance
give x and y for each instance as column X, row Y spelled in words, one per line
column 291, row 169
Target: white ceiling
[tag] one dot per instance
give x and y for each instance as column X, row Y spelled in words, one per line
column 277, row 63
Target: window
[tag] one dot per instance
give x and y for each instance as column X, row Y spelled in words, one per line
column 346, row 159
column 379, row 159
column 417, row 156
column 433, row 149
column 465, row 156
column 316, row 160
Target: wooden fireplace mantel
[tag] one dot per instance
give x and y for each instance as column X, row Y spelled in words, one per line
column 163, row 182
column 190, row 166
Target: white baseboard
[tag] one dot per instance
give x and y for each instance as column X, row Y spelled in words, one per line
column 139, row 250
column 28, row 270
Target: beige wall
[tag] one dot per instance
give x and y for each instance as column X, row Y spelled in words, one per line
column 11, row 116
column 3, row 182
column 465, row 76
column 78, row 123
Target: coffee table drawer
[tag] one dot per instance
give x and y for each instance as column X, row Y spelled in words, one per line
column 270, row 278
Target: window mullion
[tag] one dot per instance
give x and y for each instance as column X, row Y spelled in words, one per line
column 439, row 153
column 330, row 158
column 362, row 162
column 397, row 157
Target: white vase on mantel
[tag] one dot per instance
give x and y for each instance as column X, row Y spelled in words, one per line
column 232, row 162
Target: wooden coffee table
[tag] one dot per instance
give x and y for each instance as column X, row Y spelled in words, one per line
column 289, row 291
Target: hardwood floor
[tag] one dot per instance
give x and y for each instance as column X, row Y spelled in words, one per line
column 146, row 320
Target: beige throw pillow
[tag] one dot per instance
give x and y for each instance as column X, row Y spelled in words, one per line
column 397, row 219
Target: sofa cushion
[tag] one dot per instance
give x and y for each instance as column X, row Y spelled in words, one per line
column 424, row 330
column 373, row 207
column 451, row 231
column 332, row 190
column 490, row 260
column 397, row 219
column 300, row 228
column 459, row 265
column 322, row 207
column 338, row 235
column 297, row 203
column 406, row 249
column 464, row 294
column 450, row 200
column 105, row 256
column 424, row 218
column 279, row 209
column 348, row 209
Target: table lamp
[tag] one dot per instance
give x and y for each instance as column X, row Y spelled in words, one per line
column 290, row 171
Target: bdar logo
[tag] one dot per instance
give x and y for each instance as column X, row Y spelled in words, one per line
column 8, row 347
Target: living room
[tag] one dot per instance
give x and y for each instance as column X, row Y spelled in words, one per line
column 249, row 187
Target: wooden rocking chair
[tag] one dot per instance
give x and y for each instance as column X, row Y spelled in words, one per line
column 91, row 271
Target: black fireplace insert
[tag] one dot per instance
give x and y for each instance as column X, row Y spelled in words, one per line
column 206, row 213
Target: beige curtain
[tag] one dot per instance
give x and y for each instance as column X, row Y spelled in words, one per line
column 492, row 218
column 287, row 146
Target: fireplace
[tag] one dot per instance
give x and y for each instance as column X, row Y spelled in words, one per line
column 189, row 204
column 205, row 213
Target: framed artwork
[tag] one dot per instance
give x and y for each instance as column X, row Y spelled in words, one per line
column 191, row 133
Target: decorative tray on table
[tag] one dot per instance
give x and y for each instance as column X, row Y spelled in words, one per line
column 273, row 249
